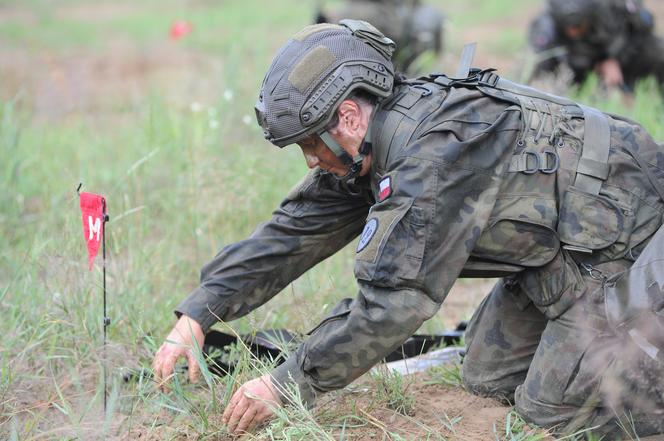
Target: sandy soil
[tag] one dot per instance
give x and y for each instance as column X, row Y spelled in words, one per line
column 442, row 410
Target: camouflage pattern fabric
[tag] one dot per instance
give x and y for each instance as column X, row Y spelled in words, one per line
column 566, row 374
column 620, row 29
column 448, row 157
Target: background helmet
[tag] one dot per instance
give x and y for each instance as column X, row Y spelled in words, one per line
column 417, row 29
column 571, row 12
column 316, row 70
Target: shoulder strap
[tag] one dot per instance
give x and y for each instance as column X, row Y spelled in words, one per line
column 593, row 165
column 523, row 90
column 490, row 83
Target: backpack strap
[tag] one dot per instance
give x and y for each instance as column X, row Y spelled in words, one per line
column 593, row 166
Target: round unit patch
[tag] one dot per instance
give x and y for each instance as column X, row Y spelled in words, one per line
column 367, row 234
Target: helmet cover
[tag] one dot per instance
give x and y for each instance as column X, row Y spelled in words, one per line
column 315, row 71
column 571, row 12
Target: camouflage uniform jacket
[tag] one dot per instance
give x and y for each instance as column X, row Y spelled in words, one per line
column 449, row 187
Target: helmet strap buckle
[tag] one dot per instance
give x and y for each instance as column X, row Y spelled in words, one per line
column 354, row 162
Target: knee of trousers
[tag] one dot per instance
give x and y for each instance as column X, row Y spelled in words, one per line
column 487, row 383
column 546, row 415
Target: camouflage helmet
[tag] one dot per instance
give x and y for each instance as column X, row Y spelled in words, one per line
column 316, row 70
column 571, row 12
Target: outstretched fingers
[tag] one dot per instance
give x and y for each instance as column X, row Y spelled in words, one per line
column 238, row 412
column 194, row 368
column 252, row 404
column 163, row 367
column 235, row 399
column 247, row 422
column 185, row 335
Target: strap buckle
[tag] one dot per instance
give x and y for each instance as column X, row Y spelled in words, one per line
column 593, row 272
column 488, row 78
column 556, row 162
column 534, row 155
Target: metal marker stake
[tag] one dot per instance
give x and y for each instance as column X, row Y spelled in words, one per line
column 107, row 321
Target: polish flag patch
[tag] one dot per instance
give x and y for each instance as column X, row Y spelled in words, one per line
column 384, row 188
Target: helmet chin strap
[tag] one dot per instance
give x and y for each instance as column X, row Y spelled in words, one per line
column 354, row 162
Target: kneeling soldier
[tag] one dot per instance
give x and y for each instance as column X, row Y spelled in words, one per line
column 444, row 178
column 613, row 38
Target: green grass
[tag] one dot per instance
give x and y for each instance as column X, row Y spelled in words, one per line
column 505, row 43
column 182, row 180
column 646, row 106
column 79, row 24
column 516, row 429
column 445, row 374
column 466, row 13
column 392, row 391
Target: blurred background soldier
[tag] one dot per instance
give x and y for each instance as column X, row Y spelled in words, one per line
column 613, row 38
column 416, row 29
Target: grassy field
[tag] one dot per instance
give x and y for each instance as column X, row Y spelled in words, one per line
column 95, row 92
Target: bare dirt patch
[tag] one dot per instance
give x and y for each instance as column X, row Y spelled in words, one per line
column 440, row 410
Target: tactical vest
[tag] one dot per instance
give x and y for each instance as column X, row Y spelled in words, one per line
column 556, row 188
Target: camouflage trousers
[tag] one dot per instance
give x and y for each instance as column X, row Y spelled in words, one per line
column 564, row 374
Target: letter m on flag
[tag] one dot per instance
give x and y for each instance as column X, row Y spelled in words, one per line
column 93, row 209
column 95, row 228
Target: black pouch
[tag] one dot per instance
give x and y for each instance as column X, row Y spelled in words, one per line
column 394, row 250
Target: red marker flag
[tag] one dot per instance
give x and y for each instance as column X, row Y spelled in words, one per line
column 93, row 208
column 179, row 29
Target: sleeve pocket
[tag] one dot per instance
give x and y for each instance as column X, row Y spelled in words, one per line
column 394, row 251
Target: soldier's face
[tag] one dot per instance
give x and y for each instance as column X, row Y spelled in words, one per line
column 576, row 32
column 317, row 154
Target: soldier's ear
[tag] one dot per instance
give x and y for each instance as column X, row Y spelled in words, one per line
column 350, row 115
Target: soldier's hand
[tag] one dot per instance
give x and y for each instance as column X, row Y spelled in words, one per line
column 178, row 344
column 250, row 405
column 610, row 72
